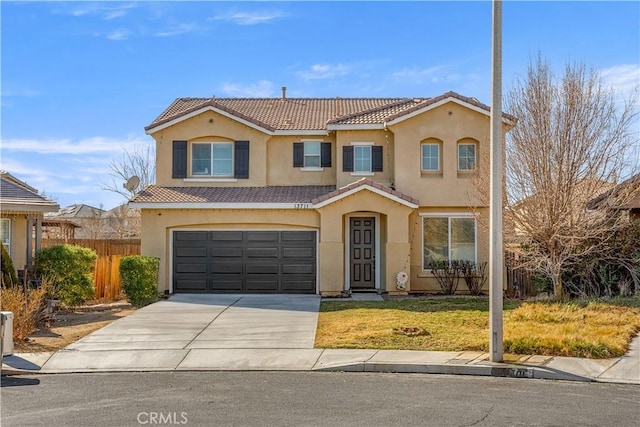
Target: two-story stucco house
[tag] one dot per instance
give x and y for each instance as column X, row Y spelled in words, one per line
column 315, row 195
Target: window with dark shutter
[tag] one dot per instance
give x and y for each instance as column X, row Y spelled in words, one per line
column 347, row 159
column 298, row 154
column 241, row 160
column 179, row 161
column 376, row 158
column 325, row 155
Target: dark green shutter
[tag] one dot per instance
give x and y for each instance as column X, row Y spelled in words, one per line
column 241, row 162
column 179, row 169
column 376, row 158
column 347, row 159
column 325, row 155
column 298, row 154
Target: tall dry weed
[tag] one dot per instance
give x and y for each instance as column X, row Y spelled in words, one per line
column 26, row 308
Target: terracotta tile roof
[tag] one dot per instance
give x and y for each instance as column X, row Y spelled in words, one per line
column 276, row 194
column 360, row 183
column 308, row 113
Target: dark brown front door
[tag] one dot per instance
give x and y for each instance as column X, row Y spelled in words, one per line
column 363, row 252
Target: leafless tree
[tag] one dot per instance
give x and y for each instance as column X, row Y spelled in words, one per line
column 570, row 145
column 139, row 161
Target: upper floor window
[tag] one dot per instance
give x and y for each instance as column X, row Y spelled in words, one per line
column 362, row 158
column 431, row 157
column 212, row 159
column 311, row 155
column 466, row 156
column 5, row 233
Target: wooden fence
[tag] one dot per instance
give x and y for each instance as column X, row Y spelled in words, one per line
column 103, row 247
column 519, row 283
column 106, row 279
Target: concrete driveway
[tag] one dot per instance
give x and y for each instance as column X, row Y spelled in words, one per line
column 198, row 332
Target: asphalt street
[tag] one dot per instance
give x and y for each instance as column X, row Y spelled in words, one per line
column 311, row 399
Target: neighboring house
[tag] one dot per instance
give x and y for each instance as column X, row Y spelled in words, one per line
column 122, row 222
column 22, row 210
column 88, row 219
column 315, row 195
column 626, row 196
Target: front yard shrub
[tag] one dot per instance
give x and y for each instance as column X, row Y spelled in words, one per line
column 447, row 275
column 27, row 307
column 70, row 269
column 9, row 277
column 474, row 276
column 139, row 279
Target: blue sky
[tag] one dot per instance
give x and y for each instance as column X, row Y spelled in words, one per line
column 80, row 80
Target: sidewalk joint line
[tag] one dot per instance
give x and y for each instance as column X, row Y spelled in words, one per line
column 212, row 320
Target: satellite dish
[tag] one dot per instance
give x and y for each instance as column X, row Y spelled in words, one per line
column 132, row 183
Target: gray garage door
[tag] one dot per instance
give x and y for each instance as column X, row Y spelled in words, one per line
column 244, row 261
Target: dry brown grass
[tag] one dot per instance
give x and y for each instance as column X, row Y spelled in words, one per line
column 579, row 329
column 26, row 308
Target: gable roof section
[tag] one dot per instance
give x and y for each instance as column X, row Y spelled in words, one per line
column 311, row 115
column 365, row 184
column 626, row 194
column 18, row 196
column 275, row 197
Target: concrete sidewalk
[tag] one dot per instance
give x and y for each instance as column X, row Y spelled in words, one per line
column 276, row 332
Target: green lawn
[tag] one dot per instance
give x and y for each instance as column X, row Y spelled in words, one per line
column 596, row 329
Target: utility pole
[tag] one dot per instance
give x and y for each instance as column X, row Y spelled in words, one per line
column 496, row 251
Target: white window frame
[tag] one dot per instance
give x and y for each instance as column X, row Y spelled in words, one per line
column 449, row 217
column 306, row 143
column 475, row 156
column 437, row 145
column 211, row 174
column 7, row 241
column 367, row 145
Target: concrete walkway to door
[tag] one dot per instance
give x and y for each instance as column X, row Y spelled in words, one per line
column 196, row 331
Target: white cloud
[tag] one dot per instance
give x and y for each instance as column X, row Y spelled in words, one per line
column 90, row 145
column 324, row 71
column 419, row 75
column 261, row 89
column 250, row 18
column 107, row 11
column 622, row 78
column 119, row 34
column 177, row 30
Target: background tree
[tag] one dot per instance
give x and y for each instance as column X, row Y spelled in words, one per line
column 139, row 161
column 569, row 145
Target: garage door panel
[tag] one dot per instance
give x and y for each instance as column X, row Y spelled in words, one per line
column 262, row 236
column 225, row 252
column 251, row 261
column 269, row 252
column 226, row 236
column 304, row 253
column 191, row 252
column 191, row 285
column 190, row 236
column 225, row 284
column 191, row 267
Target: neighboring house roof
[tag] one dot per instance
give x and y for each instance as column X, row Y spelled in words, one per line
column 627, row 193
column 365, row 184
column 17, row 195
column 309, row 114
column 77, row 211
column 59, row 223
column 242, row 197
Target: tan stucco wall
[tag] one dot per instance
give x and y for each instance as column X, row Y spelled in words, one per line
column 157, row 225
column 448, row 123
column 18, row 249
column 221, row 129
column 280, row 161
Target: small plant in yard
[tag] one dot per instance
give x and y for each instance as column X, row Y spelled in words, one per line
column 139, row 278
column 8, row 271
column 474, row 276
column 70, row 270
column 447, row 274
column 27, row 306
